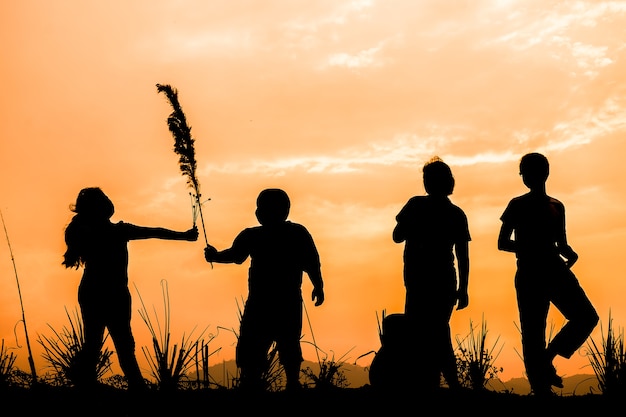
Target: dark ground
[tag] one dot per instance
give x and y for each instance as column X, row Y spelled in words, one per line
column 349, row 402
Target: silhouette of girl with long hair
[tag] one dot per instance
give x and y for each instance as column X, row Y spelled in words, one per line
column 100, row 248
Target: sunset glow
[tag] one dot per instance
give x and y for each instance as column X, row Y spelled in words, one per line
column 340, row 103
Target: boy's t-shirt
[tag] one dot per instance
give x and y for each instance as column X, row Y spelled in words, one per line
column 538, row 222
column 432, row 226
column 279, row 254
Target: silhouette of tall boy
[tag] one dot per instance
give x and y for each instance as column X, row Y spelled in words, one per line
column 543, row 276
column 280, row 251
column 434, row 231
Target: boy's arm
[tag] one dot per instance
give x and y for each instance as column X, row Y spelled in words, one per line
column 226, row 256
column 399, row 234
column 462, row 258
column 237, row 253
column 505, row 243
column 565, row 250
column 317, row 295
column 568, row 253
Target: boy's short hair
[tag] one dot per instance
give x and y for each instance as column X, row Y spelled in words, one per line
column 438, row 178
column 272, row 205
column 534, row 165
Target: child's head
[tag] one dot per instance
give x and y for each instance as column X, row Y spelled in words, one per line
column 92, row 203
column 438, row 178
column 534, row 169
column 272, row 206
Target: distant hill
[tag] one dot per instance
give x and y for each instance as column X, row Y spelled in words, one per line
column 579, row 384
column 357, row 376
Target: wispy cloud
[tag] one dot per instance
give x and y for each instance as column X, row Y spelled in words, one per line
column 364, row 58
column 567, row 30
column 404, row 149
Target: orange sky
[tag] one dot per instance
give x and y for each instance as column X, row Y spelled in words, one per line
column 338, row 102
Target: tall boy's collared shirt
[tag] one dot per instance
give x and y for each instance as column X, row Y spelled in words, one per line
column 279, row 254
column 538, row 222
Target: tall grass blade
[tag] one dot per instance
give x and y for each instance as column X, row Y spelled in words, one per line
column 31, row 361
column 169, row 364
column 608, row 361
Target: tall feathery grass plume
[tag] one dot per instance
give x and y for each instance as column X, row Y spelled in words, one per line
column 184, row 148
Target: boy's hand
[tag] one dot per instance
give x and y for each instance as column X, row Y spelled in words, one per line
column 571, row 259
column 462, row 300
column 318, row 296
column 210, row 253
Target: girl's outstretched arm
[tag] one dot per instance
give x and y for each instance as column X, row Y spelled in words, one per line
column 142, row 232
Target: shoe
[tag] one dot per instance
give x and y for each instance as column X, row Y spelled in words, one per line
column 553, row 378
column 543, row 392
column 294, row 386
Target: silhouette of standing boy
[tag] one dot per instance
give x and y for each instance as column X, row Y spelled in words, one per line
column 100, row 247
column 434, row 231
column 280, row 251
column 544, row 259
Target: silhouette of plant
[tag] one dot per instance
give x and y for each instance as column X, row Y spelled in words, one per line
column 169, row 364
column 203, row 379
column 31, row 361
column 329, row 376
column 63, row 352
column 609, row 361
column 273, row 376
column 476, row 361
column 7, row 362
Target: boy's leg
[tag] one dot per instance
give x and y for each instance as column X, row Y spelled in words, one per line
column 256, row 336
column 289, row 348
column 448, row 361
column 422, row 338
column 533, row 311
column 292, row 374
column 582, row 317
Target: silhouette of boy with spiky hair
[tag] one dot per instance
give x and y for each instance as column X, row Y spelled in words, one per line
column 280, row 251
column 544, row 276
column 434, row 232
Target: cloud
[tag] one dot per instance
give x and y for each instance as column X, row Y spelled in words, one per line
column 568, row 30
column 457, row 145
column 365, row 58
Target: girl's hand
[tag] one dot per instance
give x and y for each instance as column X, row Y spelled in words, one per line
column 192, row 234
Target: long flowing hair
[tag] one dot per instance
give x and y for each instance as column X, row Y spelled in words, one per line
column 92, row 206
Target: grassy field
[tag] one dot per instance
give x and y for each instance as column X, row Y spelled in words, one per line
column 366, row 400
